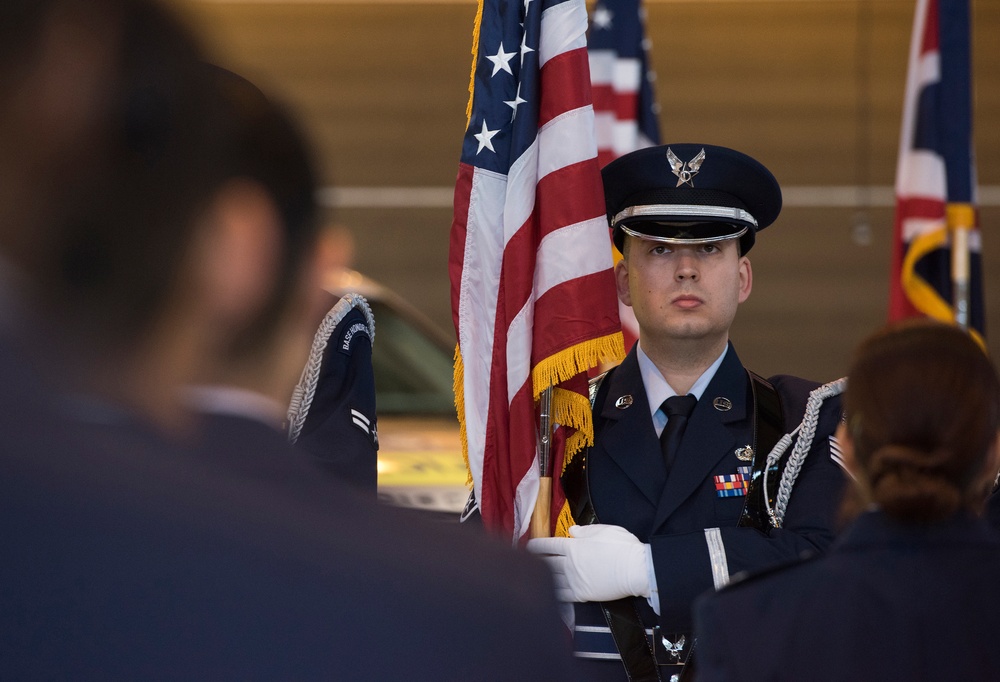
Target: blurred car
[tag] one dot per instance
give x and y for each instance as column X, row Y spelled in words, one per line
column 420, row 463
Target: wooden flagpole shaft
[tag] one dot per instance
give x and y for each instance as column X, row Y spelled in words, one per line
column 960, row 274
column 541, row 516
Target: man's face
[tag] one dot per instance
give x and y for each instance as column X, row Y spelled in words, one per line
column 683, row 292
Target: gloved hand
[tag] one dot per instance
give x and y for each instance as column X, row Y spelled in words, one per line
column 596, row 563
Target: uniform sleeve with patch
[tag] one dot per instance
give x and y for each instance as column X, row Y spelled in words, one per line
column 332, row 415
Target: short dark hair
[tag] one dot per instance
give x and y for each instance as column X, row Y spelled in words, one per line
column 923, row 409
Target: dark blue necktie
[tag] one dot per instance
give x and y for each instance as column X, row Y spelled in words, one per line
column 677, row 408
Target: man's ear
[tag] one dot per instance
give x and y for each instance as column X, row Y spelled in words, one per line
column 621, row 282
column 746, row 279
column 239, row 257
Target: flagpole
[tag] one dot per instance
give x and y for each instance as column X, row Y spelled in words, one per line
column 959, row 218
column 541, row 517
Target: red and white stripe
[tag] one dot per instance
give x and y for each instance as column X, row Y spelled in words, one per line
column 616, row 82
column 533, row 276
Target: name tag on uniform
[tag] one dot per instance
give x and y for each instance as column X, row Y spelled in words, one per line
column 733, row 485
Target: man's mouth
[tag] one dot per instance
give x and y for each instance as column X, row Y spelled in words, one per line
column 686, row 301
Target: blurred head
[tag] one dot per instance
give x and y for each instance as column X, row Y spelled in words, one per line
column 922, row 417
column 270, row 190
column 263, row 256
column 108, row 130
column 116, row 144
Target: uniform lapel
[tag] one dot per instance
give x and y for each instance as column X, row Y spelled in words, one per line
column 629, row 439
column 711, row 435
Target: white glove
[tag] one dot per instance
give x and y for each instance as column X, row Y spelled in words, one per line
column 596, row 563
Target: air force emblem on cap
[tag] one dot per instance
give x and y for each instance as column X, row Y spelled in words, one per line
column 685, row 170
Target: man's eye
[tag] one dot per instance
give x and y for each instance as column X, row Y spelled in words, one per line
column 709, row 248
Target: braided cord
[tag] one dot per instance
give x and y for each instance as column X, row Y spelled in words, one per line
column 305, row 390
column 805, row 431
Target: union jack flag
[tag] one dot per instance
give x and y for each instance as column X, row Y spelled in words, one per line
column 531, row 275
column 935, row 175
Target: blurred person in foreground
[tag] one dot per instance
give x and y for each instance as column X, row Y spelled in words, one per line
column 909, row 591
column 129, row 552
column 266, row 213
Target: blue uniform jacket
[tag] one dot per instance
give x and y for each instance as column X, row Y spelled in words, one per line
column 129, row 558
column 888, row 602
column 696, row 544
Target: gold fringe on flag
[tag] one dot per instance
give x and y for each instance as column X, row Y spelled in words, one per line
column 475, row 60
column 458, row 386
column 572, row 409
column 564, row 522
column 567, row 363
column 568, row 407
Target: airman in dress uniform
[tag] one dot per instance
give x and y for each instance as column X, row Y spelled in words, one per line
column 667, row 512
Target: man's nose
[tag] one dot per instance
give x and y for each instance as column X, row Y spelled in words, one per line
column 687, row 266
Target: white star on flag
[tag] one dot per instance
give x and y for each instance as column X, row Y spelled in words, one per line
column 524, row 47
column 516, row 102
column 501, row 60
column 484, row 138
column 602, row 18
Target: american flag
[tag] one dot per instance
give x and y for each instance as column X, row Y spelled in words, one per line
column 935, row 175
column 625, row 110
column 626, row 114
column 532, row 285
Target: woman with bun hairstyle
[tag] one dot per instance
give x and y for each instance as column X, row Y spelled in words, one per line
column 911, row 589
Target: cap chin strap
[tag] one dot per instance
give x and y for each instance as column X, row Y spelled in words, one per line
column 676, row 240
column 722, row 213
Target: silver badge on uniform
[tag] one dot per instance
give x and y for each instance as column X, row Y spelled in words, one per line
column 722, row 404
column 624, row 402
column 685, row 170
column 744, row 454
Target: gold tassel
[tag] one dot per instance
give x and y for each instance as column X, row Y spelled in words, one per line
column 567, row 363
column 458, row 386
column 475, row 60
column 564, row 522
column 569, row 408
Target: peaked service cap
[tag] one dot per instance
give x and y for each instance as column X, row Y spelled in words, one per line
column 688, row 192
